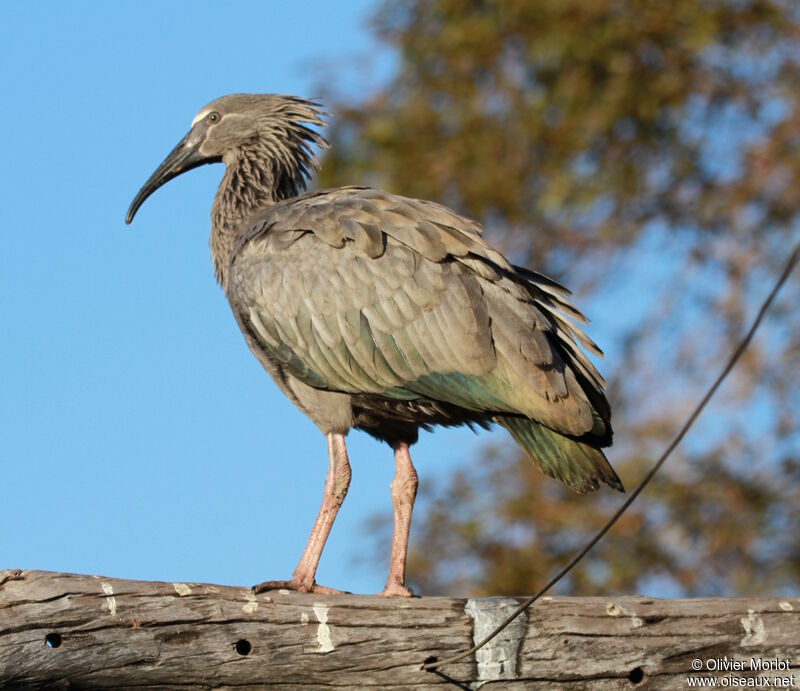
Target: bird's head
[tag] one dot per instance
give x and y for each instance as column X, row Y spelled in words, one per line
column 270, row 129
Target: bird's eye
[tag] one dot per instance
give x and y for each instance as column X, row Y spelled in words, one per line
column 213, row 117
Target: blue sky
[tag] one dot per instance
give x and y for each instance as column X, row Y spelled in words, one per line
column 138, row 436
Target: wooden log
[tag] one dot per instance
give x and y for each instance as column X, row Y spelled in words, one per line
column 65, row 630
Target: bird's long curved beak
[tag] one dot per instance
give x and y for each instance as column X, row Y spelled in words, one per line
column 185, row 156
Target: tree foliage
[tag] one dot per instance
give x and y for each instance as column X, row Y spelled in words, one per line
column 647, row 154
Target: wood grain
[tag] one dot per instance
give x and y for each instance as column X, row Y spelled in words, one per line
column 64, row 630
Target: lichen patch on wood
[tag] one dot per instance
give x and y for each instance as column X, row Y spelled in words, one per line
column 323, row 630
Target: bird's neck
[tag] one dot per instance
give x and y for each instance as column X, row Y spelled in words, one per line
column 247, row 187
column 254, row 179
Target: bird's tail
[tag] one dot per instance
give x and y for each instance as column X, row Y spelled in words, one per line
column 575, row 463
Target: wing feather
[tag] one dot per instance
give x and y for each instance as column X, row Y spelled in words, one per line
column 359, row 291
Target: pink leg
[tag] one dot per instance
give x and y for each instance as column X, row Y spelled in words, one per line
column 336, row 483
column 404, row 490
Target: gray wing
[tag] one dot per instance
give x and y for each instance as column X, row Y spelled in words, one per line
column 355, row 290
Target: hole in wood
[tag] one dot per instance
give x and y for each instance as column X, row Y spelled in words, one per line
column 52, row 640
column 243, row 647
column 636, row 676
column 431, row 660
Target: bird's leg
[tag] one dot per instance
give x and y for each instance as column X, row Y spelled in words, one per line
column 404, row 490
column 336, row 483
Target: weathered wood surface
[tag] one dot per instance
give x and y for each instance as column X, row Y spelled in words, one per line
column 63, row 630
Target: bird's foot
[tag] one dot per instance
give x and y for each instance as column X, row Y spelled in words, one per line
column 396, row 590
column 298, row 586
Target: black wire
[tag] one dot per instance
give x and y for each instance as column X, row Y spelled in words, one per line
column 734, row 358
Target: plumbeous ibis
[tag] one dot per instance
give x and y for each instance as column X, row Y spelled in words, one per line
column 385, row 313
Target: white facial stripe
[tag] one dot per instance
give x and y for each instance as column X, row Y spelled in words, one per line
column 200, row 116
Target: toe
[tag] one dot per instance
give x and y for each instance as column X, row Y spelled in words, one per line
column 396, row 590
column 270, row 585
column 324, row 590
column 297, row 586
